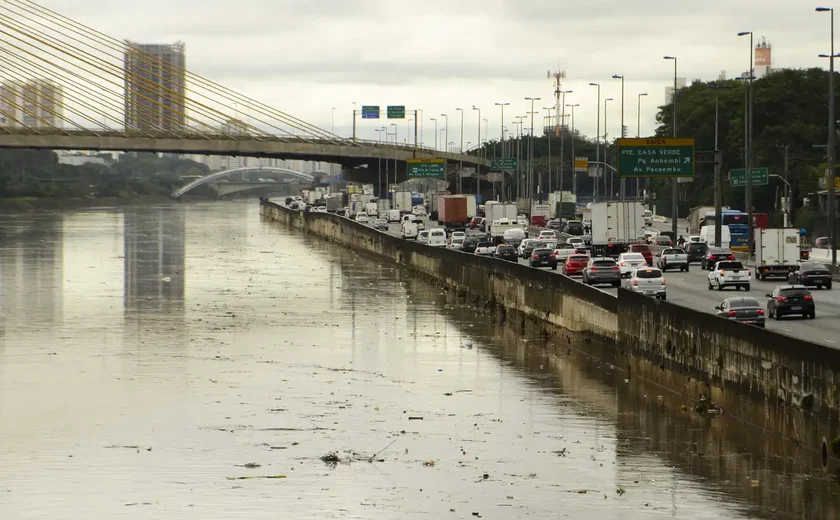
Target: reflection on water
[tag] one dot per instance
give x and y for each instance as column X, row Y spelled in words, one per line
column 150, row 354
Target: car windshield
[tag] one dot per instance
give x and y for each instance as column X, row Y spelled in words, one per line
column 743, row 303
column 505, row 249
column 485, row 244
column 543, row 251
column 648, row 273
column 633, row 257
column 531, row 243
column 719, row 251
column 604, row 263
column 673, row 252
column 548, row 245
column 794, row 292
column 578, row 258
column 814, row 268
column 565, row 246
column 639, row 248
column 663, row 239
column 574, row 224
column 730, row 265
column 697, row 248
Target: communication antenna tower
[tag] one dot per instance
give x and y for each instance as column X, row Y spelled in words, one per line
column 558, row 78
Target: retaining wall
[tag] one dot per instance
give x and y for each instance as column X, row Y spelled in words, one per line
column 774, row 382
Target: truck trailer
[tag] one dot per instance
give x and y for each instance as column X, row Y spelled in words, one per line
column 776, row 252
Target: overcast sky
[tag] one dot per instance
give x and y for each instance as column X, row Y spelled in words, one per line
column 305, row 57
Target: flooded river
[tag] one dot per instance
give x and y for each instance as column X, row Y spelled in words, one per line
column 165, row 362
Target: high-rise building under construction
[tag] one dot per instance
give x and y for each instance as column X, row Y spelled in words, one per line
column 155, row 86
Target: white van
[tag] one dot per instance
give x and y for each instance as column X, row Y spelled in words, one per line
column 393, row 215
column 514, row 237
column 707, row 235
column 437, row 237
column 409, row 230
column 362, row 217
column 648, row 216
column 408, row 217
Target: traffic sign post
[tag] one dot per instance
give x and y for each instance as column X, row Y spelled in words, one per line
column 370, row 112
column 396, row 112
column 656, row 157
column 582, row 164
column 738, row 177
column 426, row 168
column 499, row 165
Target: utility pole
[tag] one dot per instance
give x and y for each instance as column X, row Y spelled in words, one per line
column 531, row 153
column 502, row 131
column 548, row 136
column 563, row 141
column 832, row 136
column 607, row 188
column 597, row 144
column 478, row 166
column 354, row 120
column 621, row 183
column 675, row 187
column 748, row 145
column 461, row 156
column 718, row 166
column 639, row 130
column 786, row 208
column 574, row 172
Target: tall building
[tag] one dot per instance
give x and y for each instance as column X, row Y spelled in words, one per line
column 155, row 86
column 36, row 103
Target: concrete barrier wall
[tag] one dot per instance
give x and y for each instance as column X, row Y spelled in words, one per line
column 772, row 381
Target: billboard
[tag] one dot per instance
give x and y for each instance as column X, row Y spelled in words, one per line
column 762, row 57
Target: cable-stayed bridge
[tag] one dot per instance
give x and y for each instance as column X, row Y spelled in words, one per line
column 67, row 86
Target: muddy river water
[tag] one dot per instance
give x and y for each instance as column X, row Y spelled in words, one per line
column 195, row 362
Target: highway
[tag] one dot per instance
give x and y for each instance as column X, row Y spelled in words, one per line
column 690, row 290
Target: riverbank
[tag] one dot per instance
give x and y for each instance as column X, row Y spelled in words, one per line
column 785, row 386
column 18, row 204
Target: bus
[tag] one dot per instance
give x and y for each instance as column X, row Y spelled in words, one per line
column 737, row 221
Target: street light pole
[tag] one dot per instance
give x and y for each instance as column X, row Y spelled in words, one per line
column 461, row 156
column 379, row 163
column 832, row 135
column 445, row 142
column 639, row 129
column 718, row 165
column 354, row 120
column 621, row 182
column 607, row 152
column 502, row 131
column 478, row 166
column 531, row 152
column 574, row 171
column 597, row 143
column 520, row 171
column 548, row 136
column 749, row 146
column 563, row 139
column 675, row 186
column 396, row 166
column 434, row 119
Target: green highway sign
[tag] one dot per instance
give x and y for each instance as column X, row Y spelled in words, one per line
column 396, row 112
column 660, row 157
column 738, row 177
column 426, row 168
column 499, row 165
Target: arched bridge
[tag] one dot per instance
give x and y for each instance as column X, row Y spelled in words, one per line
column 213, row 177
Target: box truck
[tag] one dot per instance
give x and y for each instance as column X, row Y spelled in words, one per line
column 776, row 252
column 452, row 212
column 617, row 222
column 402, row 201
column 494, row 211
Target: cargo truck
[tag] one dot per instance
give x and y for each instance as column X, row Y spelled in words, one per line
column 494, row 211
column 333, row 203
column 382, row 207
column 566, row 197
column 402, row 201
column 472, row 208
column 776, row 252
column 617, row 222
column 539, row 214
column 452, row 212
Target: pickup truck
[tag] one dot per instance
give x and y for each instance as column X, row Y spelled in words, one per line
column 729, row 274
column 672, row 258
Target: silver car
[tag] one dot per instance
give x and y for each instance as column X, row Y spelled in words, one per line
column 602, row 271
column 648, row 281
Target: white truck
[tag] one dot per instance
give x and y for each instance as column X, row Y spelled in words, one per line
column 408, row 230
column 499, row 227
column 557, row 197
column 402, row 201
column 540, row 210
column 472, row 208
column 494, row 211
column 707, row 235
column 617, row 222
column 382, row 207
column 372, row 209
column 776, row 252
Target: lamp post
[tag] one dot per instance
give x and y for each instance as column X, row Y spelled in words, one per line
column 748, row 146
column 562, row 138
column 354, row 120
column 396, row 166
column 674, row 191
column 639, row 128
column 502, row 131
column 548, row 136
column 718, row 154
column 478, row 166
column 379, row 162
column 597, row 143
column 832, row 190
column 621, row 183
column 607, row 152
column 520, row 192
column 445, row 141
column 434, row 120
column 461, row 158
column 531, row 152
column 574, row 171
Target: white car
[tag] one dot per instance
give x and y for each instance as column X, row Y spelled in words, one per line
column 522, row 221
column 576, row 242
column 362, row 217
column 485, row 248
column 564, row 251
column 629, row 262
column 648, row 281
column 456, row 243
column 547, row 235
column 419, row 211
column 729, row 274
column 459, row 234
column 695, row 239
column 526, row 243
column 319, row 209
column 423, row 237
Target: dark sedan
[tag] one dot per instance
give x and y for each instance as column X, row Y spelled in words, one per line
column 811, row 274
column 714, row 255
column 696, row 251
column 791, row 300
column 743, row 310
column 543, row 258
column 469, row 244
column 505, row 252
